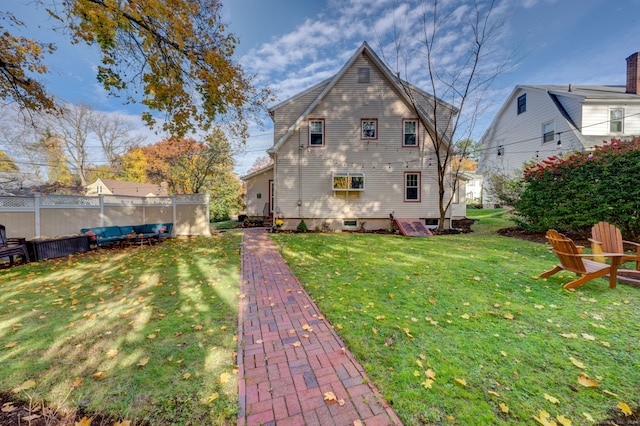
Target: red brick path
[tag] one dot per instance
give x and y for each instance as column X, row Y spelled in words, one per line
column 285, row 369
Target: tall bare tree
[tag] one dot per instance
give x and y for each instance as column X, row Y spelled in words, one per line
column 73, row 126
column 456, row 56
column 116, row 136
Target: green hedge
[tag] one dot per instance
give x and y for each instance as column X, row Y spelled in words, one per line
column 573, row 193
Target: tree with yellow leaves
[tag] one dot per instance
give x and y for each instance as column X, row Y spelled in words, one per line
column 174, row 57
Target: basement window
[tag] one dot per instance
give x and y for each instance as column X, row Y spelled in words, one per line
column 350, row 223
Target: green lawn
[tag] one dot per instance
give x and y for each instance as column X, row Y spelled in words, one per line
column 135, row 334
column 457, row 328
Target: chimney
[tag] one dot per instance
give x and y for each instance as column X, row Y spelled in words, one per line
column 633, row 74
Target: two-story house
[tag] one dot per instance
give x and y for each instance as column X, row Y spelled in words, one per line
column 540, row 121
column 352, row 152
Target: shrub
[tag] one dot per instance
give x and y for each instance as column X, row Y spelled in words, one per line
column 573, row 193
column 302, row 227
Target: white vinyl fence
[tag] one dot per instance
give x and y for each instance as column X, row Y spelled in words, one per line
column 40, row 216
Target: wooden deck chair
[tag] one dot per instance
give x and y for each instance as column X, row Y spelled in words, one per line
column 607, row 238
column 572, row 260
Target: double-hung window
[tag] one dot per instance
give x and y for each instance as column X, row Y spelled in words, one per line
column 616, row 120
column 412, row 186
column 316, row 132
column 369, row 128
column 522, row 103
column 548, row 130
column 409, row 132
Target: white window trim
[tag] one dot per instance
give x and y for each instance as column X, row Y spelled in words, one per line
column 417, row 144
column 621, row 121
column 553, row 131
column 323, row 133
column 362, row 121
column 348, row 175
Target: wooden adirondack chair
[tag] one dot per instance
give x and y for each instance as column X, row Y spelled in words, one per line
column 571, row 259
column 607, row 238
column 10, row 247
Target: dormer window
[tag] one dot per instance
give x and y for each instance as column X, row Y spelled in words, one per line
column 364, row 75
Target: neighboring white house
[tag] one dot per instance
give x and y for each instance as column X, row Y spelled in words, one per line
column 119, row 187
column 540, row 121
column 350, row 152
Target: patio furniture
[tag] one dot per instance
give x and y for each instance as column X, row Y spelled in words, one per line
column 571, row 259
column 607, row 238
column 10, row 247
column 120, row 234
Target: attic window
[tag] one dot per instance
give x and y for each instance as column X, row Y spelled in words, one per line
column 522, row 103
column 364, row 75
column 548, row 132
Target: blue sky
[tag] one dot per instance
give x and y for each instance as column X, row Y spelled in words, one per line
column 293, row 44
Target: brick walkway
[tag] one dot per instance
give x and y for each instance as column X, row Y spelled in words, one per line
column 285, row 368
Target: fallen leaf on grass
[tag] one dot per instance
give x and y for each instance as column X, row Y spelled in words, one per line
column 610, row 393
column 85, row 421
column 463, row 382
column 151, row 336
column 112, row 353
column 586, row 336
column 543, row 419
column 224, row 377
column 31, row 417
column 427, row 383
column 213, row 397
column 430, row 374
column 419, row 362
column 587, row 382
column 569, row 335
column 577, row 363
column 551, row 399
column 123, row 423
column 503, row 407
column 494, row 393
column 24, row 386
column 588, row 417
column 563, row 421
column 509, row 316
column 98, row 375
column 625, row 408
column 407, row 332
column 143, row 361
column 10, row 344
column 465, row 316
column 186, row 376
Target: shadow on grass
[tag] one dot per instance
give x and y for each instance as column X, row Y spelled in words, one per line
column 139, row 333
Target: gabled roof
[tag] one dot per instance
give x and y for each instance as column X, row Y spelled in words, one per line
column 120, row 187
column 395, row 81
column 257, row 172
column 583, row 93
